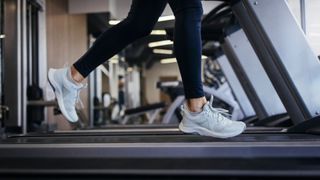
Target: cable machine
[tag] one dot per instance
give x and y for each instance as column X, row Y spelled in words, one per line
column 22, row 50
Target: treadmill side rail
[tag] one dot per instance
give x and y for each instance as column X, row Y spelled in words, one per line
column 235, row 85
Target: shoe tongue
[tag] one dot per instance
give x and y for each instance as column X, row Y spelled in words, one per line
column 206, row 106
column 211, row 100
column 71, row 85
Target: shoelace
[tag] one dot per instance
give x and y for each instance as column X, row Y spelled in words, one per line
column 77, row 97
column 220, row 115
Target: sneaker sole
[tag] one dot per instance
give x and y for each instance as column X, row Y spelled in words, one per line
column 205, row 132
column 57, row 92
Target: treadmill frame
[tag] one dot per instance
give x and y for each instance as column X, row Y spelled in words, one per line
column 286, row 56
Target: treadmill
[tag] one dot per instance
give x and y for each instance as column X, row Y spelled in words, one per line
column 163, row 128
column 244, row 72
column 270, row 155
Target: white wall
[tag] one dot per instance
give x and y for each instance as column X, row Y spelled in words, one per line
column 119, row 8
column 312, row 21
column 88, row 6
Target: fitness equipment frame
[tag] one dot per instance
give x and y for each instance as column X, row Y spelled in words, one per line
column 235, row 85
column 253, row 77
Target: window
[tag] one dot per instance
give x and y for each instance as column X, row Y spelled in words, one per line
column 296, row 9
column 313, row 24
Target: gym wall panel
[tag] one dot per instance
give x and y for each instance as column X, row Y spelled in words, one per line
column 66, row 42
column 152, row 76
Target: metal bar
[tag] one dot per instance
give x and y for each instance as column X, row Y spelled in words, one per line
column 91, row 82
column 24, row 66
column 12, row 60
column 236, row 87
column 42, row 103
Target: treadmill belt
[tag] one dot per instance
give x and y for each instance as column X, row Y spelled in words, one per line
column 261, row 155
column 137, row 130
column 244, row 138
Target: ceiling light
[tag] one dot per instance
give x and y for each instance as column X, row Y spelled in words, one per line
column 168, row 60
column 114, row 59
column 161, row 19
column 160, row 43
column 204, row 57
column 166, row 18
column 158, row 32
column 2, row 36
column 174, row 60
column 114, row 22
column 162, row 51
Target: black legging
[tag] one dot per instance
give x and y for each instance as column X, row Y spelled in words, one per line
column 141, row 19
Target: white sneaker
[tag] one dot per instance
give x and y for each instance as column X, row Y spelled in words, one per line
column 67, row 92
column 211, row 121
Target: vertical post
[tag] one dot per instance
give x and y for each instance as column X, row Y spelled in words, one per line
column 303, row 16
column 91, row 88
column 12, row 60
column 42, row 52
column 91, row 82
column 42, row 45
column 2, row 38
column 24, row 65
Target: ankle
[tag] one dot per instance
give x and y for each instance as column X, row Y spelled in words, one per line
column 75, row 75
column 196, row 104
